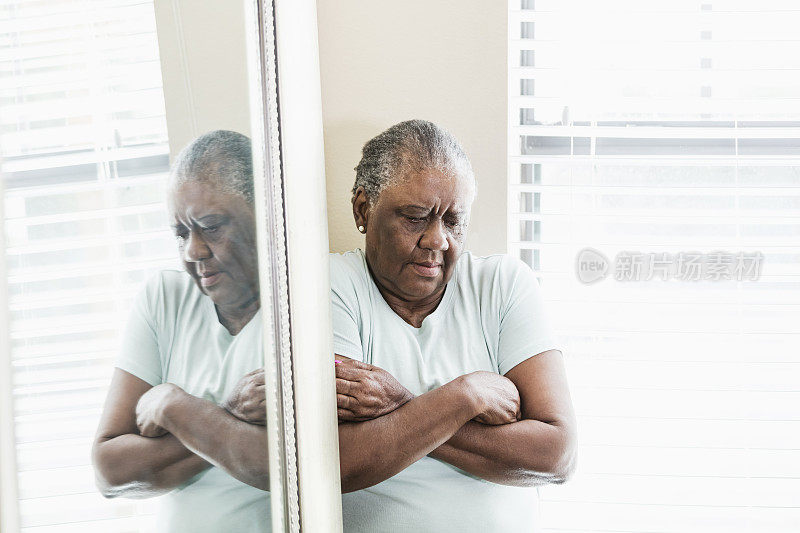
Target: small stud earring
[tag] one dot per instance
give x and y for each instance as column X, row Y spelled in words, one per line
column 361, row 229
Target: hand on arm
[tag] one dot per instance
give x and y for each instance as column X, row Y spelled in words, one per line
column 538, row 449
column 140, row 451
column 237, row 444
column 248, row 401
column 129, row 464
column 365, row 391
column 376, row 449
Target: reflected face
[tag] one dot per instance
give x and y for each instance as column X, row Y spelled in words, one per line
column 217, row 241
column 415, row 233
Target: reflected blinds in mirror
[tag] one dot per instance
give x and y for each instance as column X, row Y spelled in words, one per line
column 661, row 128
column 85, row 156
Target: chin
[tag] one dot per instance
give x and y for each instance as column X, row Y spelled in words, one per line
column 424, row 288
column 215, row 292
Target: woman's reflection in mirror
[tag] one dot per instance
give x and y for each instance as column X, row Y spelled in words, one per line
column 452, row 396
column 185, row 413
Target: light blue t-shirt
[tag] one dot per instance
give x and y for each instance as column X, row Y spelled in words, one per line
column 490, row 318
column 173, row 335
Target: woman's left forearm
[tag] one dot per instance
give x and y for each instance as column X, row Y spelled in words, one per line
column 524, row 453
column 220, row 438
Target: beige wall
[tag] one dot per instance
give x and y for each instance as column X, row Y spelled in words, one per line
column 383, row 61
column 203, row 67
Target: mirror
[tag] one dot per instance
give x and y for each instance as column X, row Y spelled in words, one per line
column 133, row 126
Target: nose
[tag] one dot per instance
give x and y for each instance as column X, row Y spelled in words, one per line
column 434, row 237
column 195, row 248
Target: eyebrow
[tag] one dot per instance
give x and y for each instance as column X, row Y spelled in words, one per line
column 207, row 218
column 214, row 217
column 412, row 207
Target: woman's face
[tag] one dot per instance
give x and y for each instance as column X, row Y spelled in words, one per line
column 217, row 242
column 415, row 232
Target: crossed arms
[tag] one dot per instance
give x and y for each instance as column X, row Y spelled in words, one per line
column 153, row 439
column 515, row 430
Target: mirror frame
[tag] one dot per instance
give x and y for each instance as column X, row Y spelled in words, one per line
column 291, row 218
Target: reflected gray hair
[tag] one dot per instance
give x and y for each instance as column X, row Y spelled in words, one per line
column 410, row 146
column 221, row 157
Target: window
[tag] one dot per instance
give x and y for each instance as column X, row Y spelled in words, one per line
column 654, row 133
column 85, row 156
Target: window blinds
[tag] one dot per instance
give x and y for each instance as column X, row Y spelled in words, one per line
column 657, row 128
column 85, row 157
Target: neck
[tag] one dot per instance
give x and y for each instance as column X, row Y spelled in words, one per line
column 411, row 311
column 235, row 317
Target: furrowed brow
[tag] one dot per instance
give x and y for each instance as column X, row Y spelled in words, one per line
column 414, row 208
column 212, row 218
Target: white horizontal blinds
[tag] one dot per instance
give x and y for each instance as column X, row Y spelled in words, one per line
column 666, row 127
column 85, row 157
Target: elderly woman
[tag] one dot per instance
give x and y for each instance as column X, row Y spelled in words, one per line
column 453, row 401
column 192, row 345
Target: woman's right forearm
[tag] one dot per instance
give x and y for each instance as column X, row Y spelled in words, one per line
column 139, row 467
column 375, row 450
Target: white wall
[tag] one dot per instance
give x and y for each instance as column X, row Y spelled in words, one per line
column 383, row 61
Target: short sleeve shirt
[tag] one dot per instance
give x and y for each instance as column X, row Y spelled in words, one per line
column 490, row 318
column 173, row 335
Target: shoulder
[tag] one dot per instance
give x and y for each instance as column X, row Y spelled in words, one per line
column 169, row 283
column 167, row 291
column 349, row 285
column 491, row 268
column 348, row 270
column 493, row 276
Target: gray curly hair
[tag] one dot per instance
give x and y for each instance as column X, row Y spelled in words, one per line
column 221, row 157
column 413, row 145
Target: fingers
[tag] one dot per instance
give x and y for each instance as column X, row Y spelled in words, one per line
column 354, row 363
column 254, row 376
column 345, row 402
column 358, row 364
column 344, row 386
column 350, row 373
column 151, row 431
column 345, row 415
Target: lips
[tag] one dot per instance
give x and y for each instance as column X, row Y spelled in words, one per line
column 427, row 269
column 207, row 279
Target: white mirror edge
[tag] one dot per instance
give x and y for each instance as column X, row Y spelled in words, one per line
column 301, row 396
column 309, row 281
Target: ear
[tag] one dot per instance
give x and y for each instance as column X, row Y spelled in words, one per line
column 360, row 207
